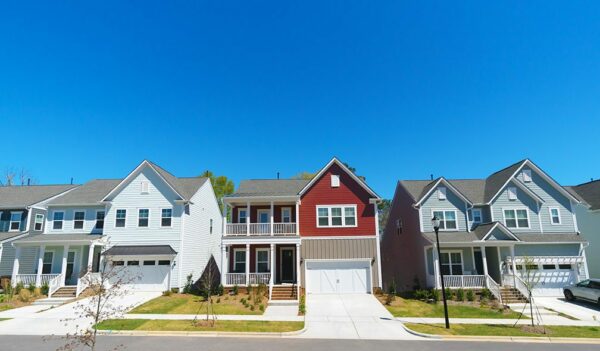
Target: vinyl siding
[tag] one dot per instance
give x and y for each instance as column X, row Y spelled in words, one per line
column 547, row 250
column 589, row 225
column 5, row 219
column 523, row 201
column 89, row 223
column 452, row 202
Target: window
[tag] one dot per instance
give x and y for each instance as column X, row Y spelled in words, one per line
column 39, row 222
column 335, row 181
column 99, row 219
column 211, row 225
column 474, row 215
column 120, row 218
column 78, row 218
column 133, row 263
column 144, row 186
column 149, row 263
column 442, row 193
column 531, row 267
column 527, row 175
column 516, row 218
column 47, row 262
column 118, row 263
column 165, row 218
column 447, row 219
column 286, row 215
column 57, row 220
column 262, row 260
column 548, row 267
column 242, row 215
column 15, row 221
column 239, row 260
column 336, row 216
column 452, row 263
column 564, row 266
column 143, row 214
column 164, row 263
column 512, row 193
column 554, row 215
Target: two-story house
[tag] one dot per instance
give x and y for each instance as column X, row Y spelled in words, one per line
column 159, row 227
column 319, row 234
column 22, row 213
column 516, row 224
column 588, row 221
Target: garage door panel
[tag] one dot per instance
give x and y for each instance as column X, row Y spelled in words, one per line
column 551, row 282
column 144, row 278
column 338, row 277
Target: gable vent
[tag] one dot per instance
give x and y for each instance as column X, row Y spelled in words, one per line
column 144, row 187
column 442, row 193
column 335, row 181
column 527, row 175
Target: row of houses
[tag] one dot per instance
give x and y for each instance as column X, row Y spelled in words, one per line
column 320, row 235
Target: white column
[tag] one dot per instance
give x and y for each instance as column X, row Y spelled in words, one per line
column 15, row 271
column 248, row 218
column 298, row 270
column 224, row 264
column 247, row 264
column 90, row 262
column 485, row 267
column 272, row 277
column 586, row 272
column 63, row 267
column 272, row 221
column 40, row 266
column 436, row 267
column 297, row 217
column 225, row 218
column 514, row 264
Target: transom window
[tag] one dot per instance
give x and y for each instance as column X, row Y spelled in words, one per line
column 165, row 217
column 143, row 215
column 452, row 263
column 555, row 215
column 447, row 219
column 336, row 216
column 286, row 215
column 15, row 221
column 57, row 220
column 242, row 215
column 516, row 218
column 262, row 260
column 474, row 215
column 239, row 261
column 78, row 218
column 99, row 219
column 39, row 222
column 120, row 218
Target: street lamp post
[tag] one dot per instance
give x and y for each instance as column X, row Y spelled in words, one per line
column 436, row 226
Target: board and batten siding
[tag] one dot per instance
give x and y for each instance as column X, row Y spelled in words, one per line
column 523, row 200
column 452, row 202
column 89, row 223
column 330, row 249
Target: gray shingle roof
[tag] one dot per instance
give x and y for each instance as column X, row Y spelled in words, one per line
column 588, row 192
column 494, row 182
column 23, row 196
column 476, row 235
column 551, row 238
column 91, row 193
column 58, row 238
column 140, row 250
column 186, row 187
column 270, row 187
column 9, row 235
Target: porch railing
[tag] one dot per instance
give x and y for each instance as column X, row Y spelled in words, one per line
column 260, row 278
column 464, row 281
column 84, row 282
column 494, row 288
column 235, row 279
column 284, row 228
column 54, row 284
column 260, row 229
column 31, row 279
column 234, row 229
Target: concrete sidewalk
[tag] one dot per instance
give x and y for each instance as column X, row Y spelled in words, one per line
column 546, row 321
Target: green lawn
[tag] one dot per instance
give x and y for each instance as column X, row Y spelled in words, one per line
column 504, row 330
column 191, row 304
column 414, row 308
column 186, row 325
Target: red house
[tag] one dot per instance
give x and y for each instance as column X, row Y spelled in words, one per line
column 321, row 235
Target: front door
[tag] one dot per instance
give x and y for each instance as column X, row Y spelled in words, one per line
column 70, row 267
column 287, row 265
column 478, row 262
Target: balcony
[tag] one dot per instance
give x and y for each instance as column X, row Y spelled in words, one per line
column 260, row 229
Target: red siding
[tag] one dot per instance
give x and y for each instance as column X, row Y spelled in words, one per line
column 348, row 193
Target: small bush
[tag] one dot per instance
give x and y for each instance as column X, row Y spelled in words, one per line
column 302, row 305
column 167, row 293
column 389, row 298
column 261, row 307
column 235, row 289
column 251, row 307
column 486, row 294
column 392, row 288
column 219, row 290
column 243, row 301
column 460, row 295
column 19, row 287
column 219, row 300
column 187, row 288
column 37, row 292
column 422, row 295
column 31, row 288
column 434, row 294
column 449, row 294
column 470, row 296
column 24, row 295
column 45, row 288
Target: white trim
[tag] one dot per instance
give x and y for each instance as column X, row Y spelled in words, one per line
column 35, row 222
column 53, row 252
column 80, row 220
column 239, row 215
column 340, row 237
column 448, row 185
column 558, row 214
column 450, row 263
column 234, row 250
column 62, row 221
column 379, row 278
column 526, row 174
column 171, row 217
column 147, row 218
column 441, row 191
column 116, row 218
column 472, row 220
column 289, row 209
column 293, row 249
column 512, row 193
column 444, row 210
column 144, row 184
column 574, row 217
column 268, row 251
column 10, row 221
column 96, row 220
column 263, row 210
column 366, row 260
column 343, row 216
column 516, row 217
column 527, row 191
column 504, row 229
column 335, row 180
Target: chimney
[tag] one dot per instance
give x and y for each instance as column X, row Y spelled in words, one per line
column 28, row 181
column 277, row 175
column 71, row 180
column 431, row 176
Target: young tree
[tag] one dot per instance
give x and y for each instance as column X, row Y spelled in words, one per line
column 384, row 212
column 207, row 285
column 304, row 175
column 530, row 280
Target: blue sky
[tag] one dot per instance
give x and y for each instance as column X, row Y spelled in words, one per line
column 400, row 90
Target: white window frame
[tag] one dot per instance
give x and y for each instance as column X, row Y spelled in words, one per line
column 442, row 193
column 557, row 213
column 259, row 212
column 450, row 263
column 268, row 251
column 515, row 209
column 144, row 187
column 512, row 193
column 40, row 222
column 147, row 218
column 117, row 218
column 283, row 209
column 10, row 222
column 51, row 261
column 335, row 180
column 240, row 210
column 472, row 212
column 444, row 210
column 329, row 216
column 162, row 217
column 103, row 219
column 527, row 176
column 62, row 221
column 235, row 262
column 81, row 220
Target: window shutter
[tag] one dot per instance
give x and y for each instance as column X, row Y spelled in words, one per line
column 335, row 181
column 527, row 175
column 442, row 193
column 512, row 193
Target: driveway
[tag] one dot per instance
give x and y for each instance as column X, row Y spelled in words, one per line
column 351, row 316
column 43, row 320
column 585, row 311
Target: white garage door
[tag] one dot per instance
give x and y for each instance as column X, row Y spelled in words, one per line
column 146, row 278
column 550, row 281
column 338, row 277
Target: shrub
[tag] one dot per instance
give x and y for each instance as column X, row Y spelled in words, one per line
column 167, row 293
column 219, row 290
column 37, row 292
column 31, row 288
column 392, row 288
column 235, row 289
column 470, row 296
column 187, row 288
column 449, row 294
column 486, row 294
column 2, row 298
column 24, row 295
column 460, row 295
column 243, row 301
column 219, row 300
column 19, row 287
column 45, row 288
column 434, row 294
column 422, row 295
column 261, row 307
column 389, row 298
column 251, row 307
column 302, row 305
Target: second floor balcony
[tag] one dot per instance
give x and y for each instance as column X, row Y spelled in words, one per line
column 260, row 229
column 261, row 217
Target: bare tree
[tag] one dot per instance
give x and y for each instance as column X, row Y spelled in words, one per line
column 12, row 177
column 530, row 279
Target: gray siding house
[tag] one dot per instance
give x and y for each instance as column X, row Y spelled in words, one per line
column 492, row 232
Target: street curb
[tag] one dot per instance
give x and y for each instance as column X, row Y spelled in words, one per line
column 423, row 335
column 202, row 333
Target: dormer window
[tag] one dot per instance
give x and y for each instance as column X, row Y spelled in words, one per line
column 512, row 193
column 335, row 181
column 527, row 175
column 144, row 186
column 15, row 221
column 442, row 193
column 39, row 222
column 474, row 215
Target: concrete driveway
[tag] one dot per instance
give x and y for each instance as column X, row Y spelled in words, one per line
column 585, row 311
column 43, row 320
column 351, row 316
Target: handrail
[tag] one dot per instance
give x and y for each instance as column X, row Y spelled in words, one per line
column 82, row 284
column 54, row 284
column 494, row 288
column 521, row 286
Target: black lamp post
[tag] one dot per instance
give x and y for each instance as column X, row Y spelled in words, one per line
column 436, row 226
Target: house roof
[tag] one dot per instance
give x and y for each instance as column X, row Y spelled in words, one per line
column 91, row 192
column 270, row 187
column 588, row 192
column 478, row 233
column 23, row 196
column 58, row 238
column 495, row 182
column 140, row 250
column 10, row 235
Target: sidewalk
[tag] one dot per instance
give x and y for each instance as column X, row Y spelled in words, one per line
column 547, row 321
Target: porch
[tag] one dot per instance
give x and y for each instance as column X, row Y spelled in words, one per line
column 260, row 217
column 56, row 261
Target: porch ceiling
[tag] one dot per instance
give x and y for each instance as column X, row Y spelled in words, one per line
column 60, row 239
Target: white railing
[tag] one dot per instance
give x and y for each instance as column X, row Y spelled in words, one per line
column 464, row 281
column 26, row 279
column 84, row 282
column 46, row 278
column 516, row 282
column 54, row 284
column 235, row 279
column 260, row 278
column 259, row 229
column 494, row 288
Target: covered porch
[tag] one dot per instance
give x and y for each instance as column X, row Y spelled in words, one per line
column 58, row 260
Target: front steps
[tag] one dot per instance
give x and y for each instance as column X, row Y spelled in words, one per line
column 284, row 293
column 511, row 295
column 65, row 292
column 51, row 301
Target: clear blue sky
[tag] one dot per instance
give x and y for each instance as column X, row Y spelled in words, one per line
column 399, row 90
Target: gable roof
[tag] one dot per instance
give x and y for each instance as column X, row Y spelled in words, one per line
column 429, row 188
column 588, row 192
column 270, row 187
column 23, row 196
column 496, row 182
column 483, row 231
column 90, row 193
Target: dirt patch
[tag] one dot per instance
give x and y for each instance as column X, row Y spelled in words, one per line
column 538, row 329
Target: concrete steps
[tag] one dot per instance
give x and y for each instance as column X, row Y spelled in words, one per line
column 65, row 292
column 511, row 296
column 284, row 293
